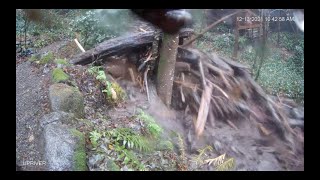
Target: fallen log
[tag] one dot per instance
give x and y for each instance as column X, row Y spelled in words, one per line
column 119, row 45
column 115, row 46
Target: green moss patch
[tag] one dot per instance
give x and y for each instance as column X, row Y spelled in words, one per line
column 59, row 76
column 62, row 61
column 47, row 58
column 79, row 157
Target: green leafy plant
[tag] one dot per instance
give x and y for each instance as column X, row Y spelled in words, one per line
column 152, row 127
column 130, row 140
column 95, row 26
column 181, row 148
column 94, row 137
column 165, row 145
column 221, row 163
column 199, row 159
column 114, row 93
column 94, row 70
column 128, row 158
column 101, row 76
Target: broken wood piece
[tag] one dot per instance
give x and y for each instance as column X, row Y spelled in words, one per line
column 232, row 124
column 211, row 117
column 203, row 78
column 142, row 30
column 146, row 82
column 263, row 129
column 144, row 62
column 79, row 45
column 114, row 94
column 216, row 105
column 224, row 93
column 193, row 87
column 226, row 82
column 203, row 109
column 183, row 99
column 132, row 75
column 216, row 69
column 218, row 62
column 186, row 111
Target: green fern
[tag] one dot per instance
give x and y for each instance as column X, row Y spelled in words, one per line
column 94, row 137
column 181, row 148
column 220, row 163
column 94, row 70
column 127, row 138
column 165, row 145
column 198, row 159
column 128, row 157
column 101, row 76
column 227, row 165
column 152, row 127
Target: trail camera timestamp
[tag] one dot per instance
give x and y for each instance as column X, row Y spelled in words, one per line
column 267, row 18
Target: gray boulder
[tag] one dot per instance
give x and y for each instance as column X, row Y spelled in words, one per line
column 56, row 117
column 64, row 148
column 66, row 98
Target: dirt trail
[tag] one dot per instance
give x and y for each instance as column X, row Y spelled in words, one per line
column 30, row 99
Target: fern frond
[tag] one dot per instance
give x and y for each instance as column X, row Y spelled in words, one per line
column 181, row 147
column 203, row 151
column 216, row 161
column 130, row 139
column 227, row 165
column 152, row 127
column 198, row 158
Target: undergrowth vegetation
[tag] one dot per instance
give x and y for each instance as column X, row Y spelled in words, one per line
column 113, row 92
column 128, row 147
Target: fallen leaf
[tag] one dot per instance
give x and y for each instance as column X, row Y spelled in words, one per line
column 110, row 147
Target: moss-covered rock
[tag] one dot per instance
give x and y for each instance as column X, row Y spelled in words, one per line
column 46, row 58
column 66, row 98
column 79, row 156
column 64, row 147
column 59, row 76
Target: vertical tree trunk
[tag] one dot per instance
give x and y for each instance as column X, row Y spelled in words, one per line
column 263, row 44
column 278, row 41
column 166, row 67
column 203, row 20
column 236, row 43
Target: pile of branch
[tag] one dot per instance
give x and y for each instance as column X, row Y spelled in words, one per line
column 220, row 88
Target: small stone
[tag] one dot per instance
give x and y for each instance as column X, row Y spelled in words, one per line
column 31, row 138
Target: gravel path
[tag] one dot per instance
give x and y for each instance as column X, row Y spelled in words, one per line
column 30, row 98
